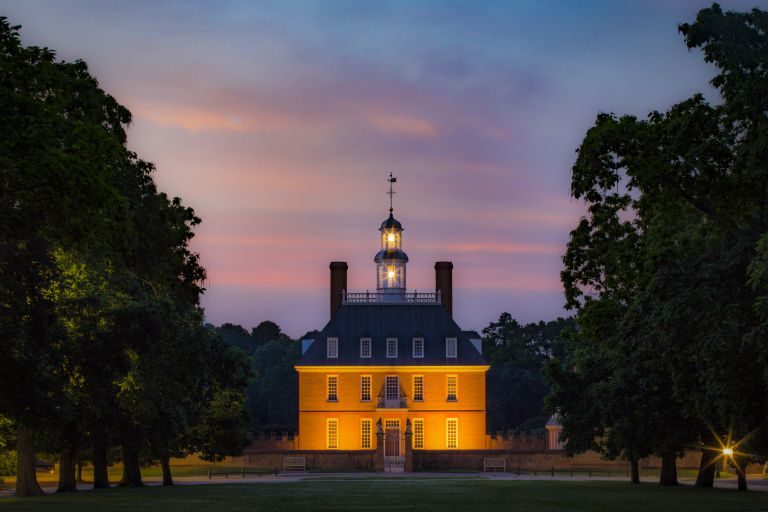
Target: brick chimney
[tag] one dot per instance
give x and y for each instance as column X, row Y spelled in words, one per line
column 444, row 284
column 338, row 283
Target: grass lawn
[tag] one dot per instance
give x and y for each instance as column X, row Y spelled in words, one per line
column 400, row 494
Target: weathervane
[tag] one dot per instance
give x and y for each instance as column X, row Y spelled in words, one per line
column 392, row 180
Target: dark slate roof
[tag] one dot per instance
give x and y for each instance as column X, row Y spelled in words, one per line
column 391, row 222
column 402, row 321
column 394, row 254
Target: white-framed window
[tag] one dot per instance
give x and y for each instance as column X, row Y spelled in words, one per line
column 452, row 388
column 450, row 347
column 365, row 388
column 365, row 348
column 332, row 348
column 418, row 348
column 333, row 388
column 418, row 388
column 365, row 434
column 418, row 433
column 452, row 433
column 332, row 433
column 392, row 387
column 391, row 347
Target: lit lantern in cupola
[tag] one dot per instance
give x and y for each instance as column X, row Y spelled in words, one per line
column 390, row 260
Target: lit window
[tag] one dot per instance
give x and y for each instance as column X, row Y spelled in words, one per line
column 450, row 347
column 418, row 388
column 392, row 387
column 332, row 348
column 391, row 273
column 365, row 433
column 333, row 388
column 365, row 348
column 452, row 385
column 391, row 347
column 332, row 433
column 418, row 433
column 391, row 238
column 418, row 348
column 451, row 432
column 365, row 388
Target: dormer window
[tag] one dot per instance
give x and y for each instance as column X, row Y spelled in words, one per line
column 365, row 348
column 450, row 347
column 332, row 348
column 418, row 348
column 391, row 348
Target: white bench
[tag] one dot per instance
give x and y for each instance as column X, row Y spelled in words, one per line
column 294, row 464
column 494, row 464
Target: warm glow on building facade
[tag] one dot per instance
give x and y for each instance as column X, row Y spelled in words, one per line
column 390, row 361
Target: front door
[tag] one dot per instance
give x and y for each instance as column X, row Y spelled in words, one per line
column 392, row 438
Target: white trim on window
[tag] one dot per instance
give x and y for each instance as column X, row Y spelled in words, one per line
column 365, row 388
column 332, row 348
column 418, row 433
column 332, row 433
column 332, row 387
column 451, row 433
column 366, row 433
column 391, row 348
column 418, row 348
column 451, row 347
column 365, row 348
column 452, row 388
column 418, row 388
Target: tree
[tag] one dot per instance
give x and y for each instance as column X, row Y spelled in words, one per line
column 517, row 355
column 676, row 212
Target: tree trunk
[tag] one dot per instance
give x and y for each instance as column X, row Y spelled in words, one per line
column 741, row 474
column 634, row 470
column 165, row 462
column 67, row 461
column 100, row 474
column 26, row 477
column 668, row 470
column 131, row 468
column 79, row 472
column 706, row 475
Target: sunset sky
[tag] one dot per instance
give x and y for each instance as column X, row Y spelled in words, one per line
column 278, row 122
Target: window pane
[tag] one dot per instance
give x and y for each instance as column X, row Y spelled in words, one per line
column 418, row 388
column 333, row 388
column 418, row 347
column 365, row 388
column 332, row 346
column 418, row 433
column 365, row 433
column 452, row 433
column 450, row 347
column 452, row 386
column 391, row 347
column 333, row 434
column 365, row 347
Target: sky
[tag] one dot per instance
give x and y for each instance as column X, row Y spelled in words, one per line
column 279, row 123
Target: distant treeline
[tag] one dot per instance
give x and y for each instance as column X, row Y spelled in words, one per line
column 515, row 387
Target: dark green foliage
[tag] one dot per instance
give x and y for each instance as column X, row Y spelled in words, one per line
column 272, row 396
column 517, row 353
column 101, row 332
column 667, row 271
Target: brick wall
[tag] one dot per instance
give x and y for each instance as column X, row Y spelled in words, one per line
column 317, row 460
column 516, row 441
column 436, row 460
column 273, row 441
